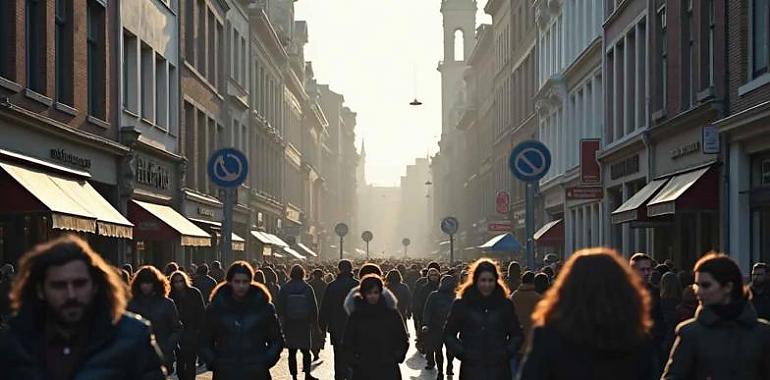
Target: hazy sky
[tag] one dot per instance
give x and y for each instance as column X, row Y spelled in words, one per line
column 380, row 54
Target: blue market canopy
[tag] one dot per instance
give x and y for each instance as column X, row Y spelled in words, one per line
column 502, row 243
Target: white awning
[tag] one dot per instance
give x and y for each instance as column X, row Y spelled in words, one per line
column 262, row 237
column 307, row 250
column 665, row 202
column 632, row 208
column 277, row 241
column 293, row 253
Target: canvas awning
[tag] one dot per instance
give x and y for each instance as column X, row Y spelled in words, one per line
column 73, row 203
column 633, row 209
column 236, row 241
column 276, row 241
column 550, row 234
column 307, row 250
column 262, row 237
column 294, row 253
column 695, row 190
column 502, row 243
column 160, row 222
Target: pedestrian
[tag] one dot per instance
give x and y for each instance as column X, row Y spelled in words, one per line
column 375, row 339
column 687, row 307
column 524, row 299
column 271, row 281
column 328, row 278
column 129, row 268
column 593, row 324
column 670, row 297
column 6, row 281
column 760, row 294
column 434, row 318
column 217, row 273
column 411, row 276
column 170, row 268
column 541, row 283
column 319, row 288
column 189, row 303
column 513, row 276
column 298, row 313
column 726, row 340
column 394, row 283
column 204, row 282
column 70, row 320
column 241, row 337
column 424, row 288
column 482, row 329
column 643, row 266
column 333, row 317
column 149, row 292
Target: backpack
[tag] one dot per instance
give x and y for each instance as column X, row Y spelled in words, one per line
column 297, row 306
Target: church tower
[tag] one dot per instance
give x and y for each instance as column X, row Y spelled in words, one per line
column 459, row 40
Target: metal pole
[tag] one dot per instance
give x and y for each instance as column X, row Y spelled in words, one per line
column 227, row 227
column 405, row 249
column 451, row 249
column 341, row 247
column 367, row 251
column 530, row 226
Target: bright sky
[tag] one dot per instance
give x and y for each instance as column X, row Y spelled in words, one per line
column 380, row 54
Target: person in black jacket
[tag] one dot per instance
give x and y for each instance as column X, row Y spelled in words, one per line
column 594, row 323
column 760, row 290
column 333, row 317
column 418, row 302
column 375, row 339
column 434, row 317
column 189, row 303
column 217, row 273
column 319, row 289
column 204, row 283
column 271, row 281
column 482, row 329
column 298, row 312
column 642, row 265
column 70, row 320
column 150, row 289
column 241, row 337
column 393, row 282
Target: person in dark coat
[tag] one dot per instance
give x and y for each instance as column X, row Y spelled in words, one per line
column 482, row 329
column 191, row 307
column 572, row 340
column 271, row 281
column 513, row 276
column 411, row 276
column 726, row 340
column 375, row 339
column 241, row 337
column 643, row 266
column 319, row 288
column 418, row 302
column 298, row 313
column 150, row 289
column 204, row 283
column 332, row 316
column 670, row 298
column 70, row 320
column 760, row 290
column 6, row 279
column 541, row 283
column 436, row 311
column 687, row 307
column 217, row 272
column 393, row 282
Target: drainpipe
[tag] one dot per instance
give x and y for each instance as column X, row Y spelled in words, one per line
column 647, row 140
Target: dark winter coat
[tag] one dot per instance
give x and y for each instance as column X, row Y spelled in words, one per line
column 297, row 297
column 404, row 297
column 164, row 321
column 217, row 274
column 552, row 356
column 421, row 296
column 274, row 289
column 332, row 316
column 713, row 348
column 375, row 340
column 410, row 279
column 319, row 289
column 241, row 339
column 670, row 321
column 205, row 284
column 761, row 302
column 191, row 309
column 436, row 311
column 115, row 351
column 484, row 333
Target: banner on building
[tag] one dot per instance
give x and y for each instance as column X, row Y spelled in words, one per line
column 590, row 171
column 503, row 202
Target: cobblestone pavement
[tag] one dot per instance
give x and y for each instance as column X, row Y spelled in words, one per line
column 413, row 367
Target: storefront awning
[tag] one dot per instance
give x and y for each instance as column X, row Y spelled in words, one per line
column 262, row 237
column 695, row 190
column 550, row 234
column 278, row 255
column 307, row 250
column 633, row 209
column 294, row 253
column 238, row 243
column 276, row 241
column 74, row 204
column 502, row 243
column 159, row 222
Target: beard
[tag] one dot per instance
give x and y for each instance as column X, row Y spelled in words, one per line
column 71, row 313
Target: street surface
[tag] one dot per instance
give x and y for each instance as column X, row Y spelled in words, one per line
column 413, row 367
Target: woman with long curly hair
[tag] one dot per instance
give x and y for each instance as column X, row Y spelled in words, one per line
column 594, row 322
column 482, row 329
column 150, row 289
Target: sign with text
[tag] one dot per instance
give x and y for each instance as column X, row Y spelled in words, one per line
column 499, row 227
column 503, row 202
column 585, row 193
column 590, row 171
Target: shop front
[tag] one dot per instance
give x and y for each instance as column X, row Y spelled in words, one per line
column 205, row 210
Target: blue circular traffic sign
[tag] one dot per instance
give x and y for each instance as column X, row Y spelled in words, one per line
column 530, row 161
column 449, row 225
column 228, row 167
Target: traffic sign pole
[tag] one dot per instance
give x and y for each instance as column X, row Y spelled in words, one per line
column 341, row 241
column 227, row 168
column 227, row 226
column 530, row 225
column 451, row 249
column 367, row 251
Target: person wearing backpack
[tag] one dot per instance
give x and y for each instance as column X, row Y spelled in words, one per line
column 298, row 312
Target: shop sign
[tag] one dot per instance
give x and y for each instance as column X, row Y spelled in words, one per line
column 70, row 159
column 685, row 150
column 590, row 171
column 499, row 227
column 153, row 174
column 710, row 140
column 293, row 215
column 575, row 193
column 206, row 212
column 625, row 168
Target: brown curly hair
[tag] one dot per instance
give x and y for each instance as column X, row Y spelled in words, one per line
column 149, row 273
column 476, row 269
column 597, row 301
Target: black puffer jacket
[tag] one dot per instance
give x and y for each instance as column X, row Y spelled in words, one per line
column 164, row 321
column 241, row 340
column 298, row 313
column 332, row 316
column 436, row 312
column 489, row 334
column 121, row 351
column 375, row 340
column 191, row 311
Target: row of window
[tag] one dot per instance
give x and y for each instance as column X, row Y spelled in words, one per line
column 203, row 136
column 204, row 41
column 239, row 57
column 585, row 226
column 626, row 68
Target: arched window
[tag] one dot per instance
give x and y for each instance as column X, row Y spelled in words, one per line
column 459, row 45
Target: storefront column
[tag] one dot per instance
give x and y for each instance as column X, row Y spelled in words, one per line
column 739, row 223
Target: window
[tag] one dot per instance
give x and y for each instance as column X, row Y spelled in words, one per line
column 63, row 50
column 711, row 25
column 760, row 35
column 161, row 92
column 130, row 72
column 35, row 54
column 210, row 51
column 173, row 100
column 219, row 57
column 190, row 146
column 688, row 56
column 5, row 41
column 189, row 31
column 200, row 37
column 641, row 74
column 459, row 48
column 662, row 58
column 147, row 83
column 96, row 61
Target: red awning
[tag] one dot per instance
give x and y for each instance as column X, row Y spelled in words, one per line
column 550, row 234
column 694, row 190
column 159, row 222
